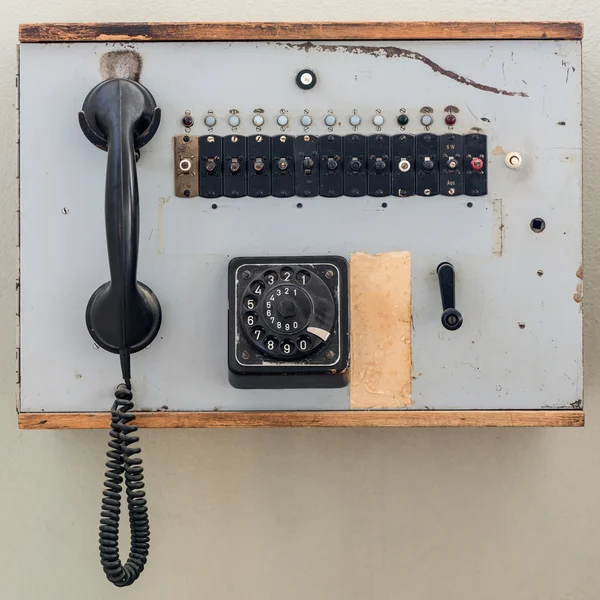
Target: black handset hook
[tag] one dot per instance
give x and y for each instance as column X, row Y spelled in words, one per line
column 120, row 115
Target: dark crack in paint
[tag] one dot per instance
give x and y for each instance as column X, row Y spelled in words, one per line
column 393, row 52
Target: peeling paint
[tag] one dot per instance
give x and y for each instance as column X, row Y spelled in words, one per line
column 121, row 64
column 578, row 295
column 394, row 52
column 498, row 151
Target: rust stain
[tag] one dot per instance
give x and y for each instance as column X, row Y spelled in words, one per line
column 498, row 151
column 121, row 64
column 452, row 109
column 426, row 110
column 394, row 52
column 498, row 221
column 579, row 273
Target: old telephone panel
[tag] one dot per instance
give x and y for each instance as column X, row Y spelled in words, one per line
column 295, row 233
column 275, row 159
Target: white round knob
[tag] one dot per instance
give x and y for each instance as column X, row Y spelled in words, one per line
column 258, row 120
column 330, row 120
column 306, row 120
column 378, row 120
column 234, row 120
column 282, row 120
column 306, row 78
column 513, row 160
column 355, row 120
column 210, row 121
column 427, row 120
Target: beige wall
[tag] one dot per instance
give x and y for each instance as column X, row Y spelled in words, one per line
column 320, row 515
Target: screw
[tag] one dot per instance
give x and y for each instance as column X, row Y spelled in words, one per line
column 186, row 138
column 451, row 191
column 65, row 211
column 521, row 325
column 245, row 355
column 299, row 205
column 427, row 192
column 246, row 274
column 329, row 274
column 186, row 193
column 470, row 204
column 329, row 355
column 540, row 273
column 96, row 347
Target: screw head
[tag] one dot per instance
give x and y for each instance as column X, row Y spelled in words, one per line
column 521, row 325
column 329, row 355
column 245, row 355
column 329, row 274
column 246, row 274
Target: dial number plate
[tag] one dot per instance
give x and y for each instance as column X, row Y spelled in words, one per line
column 287, row 311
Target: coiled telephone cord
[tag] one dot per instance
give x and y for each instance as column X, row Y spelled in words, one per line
column 123, row 463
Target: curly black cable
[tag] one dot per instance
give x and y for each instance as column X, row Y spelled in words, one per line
column 122, row 460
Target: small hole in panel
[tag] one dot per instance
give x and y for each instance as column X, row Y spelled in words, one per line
column 537, row 225
column 384, row 205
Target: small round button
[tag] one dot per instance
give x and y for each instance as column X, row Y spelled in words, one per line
column 187, row 120
column 355, row 120
column 282, row 120
column 403, row 120
column 451, row 164
column 378, row 120
column 450, row 120
column 282, row 165
column 330, row 120
column 210, row 121
column 477, row 164
column 258, row 120
column 306, row 120
column 306, row 79
column 355, row 164
column 234, row 120
column 332, row 164
column 379, row 165
column 308, row 162
column 427, row 120
column 428, row 164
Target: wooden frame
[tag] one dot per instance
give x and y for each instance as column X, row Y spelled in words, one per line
column 189, row 32
column 356, row 418
column 421, row 30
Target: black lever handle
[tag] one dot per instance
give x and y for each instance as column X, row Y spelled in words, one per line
column 451, row 318
column 120, row 116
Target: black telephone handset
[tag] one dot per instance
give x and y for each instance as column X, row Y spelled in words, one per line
column 123, row 315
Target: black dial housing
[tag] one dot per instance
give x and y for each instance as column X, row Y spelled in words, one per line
column 288, row 316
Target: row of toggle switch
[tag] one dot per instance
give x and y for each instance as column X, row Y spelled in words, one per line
column 306, row 120
column 331, row 165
